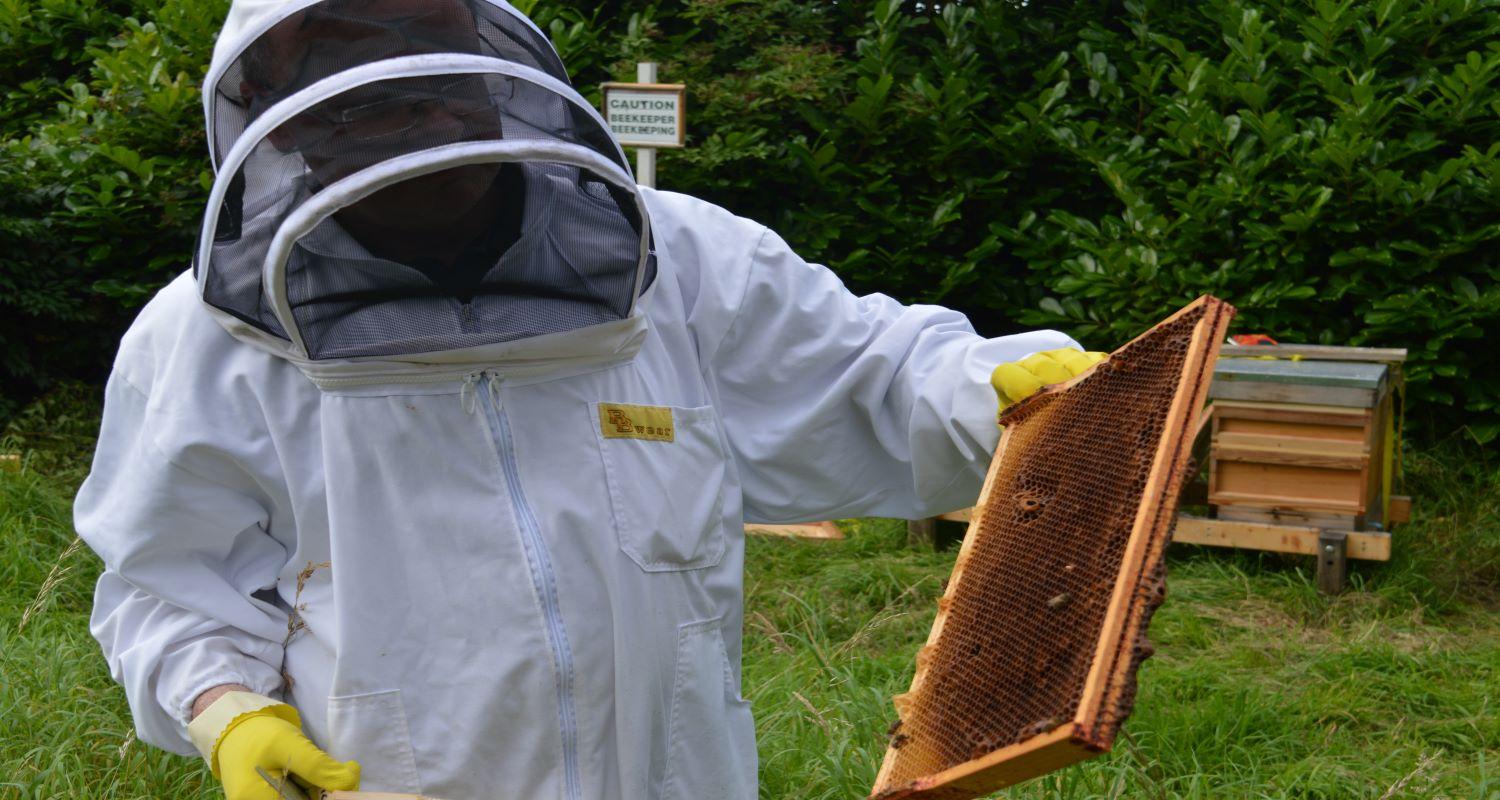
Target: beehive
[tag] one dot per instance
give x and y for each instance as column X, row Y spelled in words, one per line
column 1031, row 662
column 1302, row 442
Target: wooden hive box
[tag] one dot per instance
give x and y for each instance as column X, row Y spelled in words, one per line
column 1307, row 442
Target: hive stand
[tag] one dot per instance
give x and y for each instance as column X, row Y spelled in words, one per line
column 1304, row 455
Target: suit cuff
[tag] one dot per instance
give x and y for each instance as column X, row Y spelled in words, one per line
column 206, row 730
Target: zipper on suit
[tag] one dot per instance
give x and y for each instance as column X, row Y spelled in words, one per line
column 542, row 576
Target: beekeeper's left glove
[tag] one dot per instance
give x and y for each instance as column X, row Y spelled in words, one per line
column 1017, row 380
column 243, row 734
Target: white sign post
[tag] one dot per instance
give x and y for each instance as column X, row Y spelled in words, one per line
column 646, row 115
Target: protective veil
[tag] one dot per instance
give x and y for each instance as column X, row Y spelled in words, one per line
column 476, row 510
column 398, row 179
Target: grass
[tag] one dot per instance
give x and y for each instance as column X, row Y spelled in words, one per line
column 1260, row 686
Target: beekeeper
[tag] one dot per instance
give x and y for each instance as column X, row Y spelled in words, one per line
column 430, row 476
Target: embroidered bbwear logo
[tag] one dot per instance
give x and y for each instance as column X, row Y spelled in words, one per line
column 621, row 421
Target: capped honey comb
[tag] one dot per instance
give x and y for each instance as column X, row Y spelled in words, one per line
column 1032, row 659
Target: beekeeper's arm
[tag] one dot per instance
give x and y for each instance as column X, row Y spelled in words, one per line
column 184, row 534
column 836, row 405
column 185, row 546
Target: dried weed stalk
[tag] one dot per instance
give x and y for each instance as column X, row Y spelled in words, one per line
column 295, row 624
column 54, row 577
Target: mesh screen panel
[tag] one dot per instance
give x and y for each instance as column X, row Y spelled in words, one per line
column 573, row 265
column 1032, row 660
column 554, row 247
column 335, row 35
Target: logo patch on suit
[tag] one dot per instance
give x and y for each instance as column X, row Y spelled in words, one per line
column 621, row 421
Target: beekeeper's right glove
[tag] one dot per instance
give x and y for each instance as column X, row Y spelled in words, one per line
column 1017, row 380
column 243, row 731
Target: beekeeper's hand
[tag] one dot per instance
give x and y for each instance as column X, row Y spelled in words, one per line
column 1017, row 380
column 242, row 731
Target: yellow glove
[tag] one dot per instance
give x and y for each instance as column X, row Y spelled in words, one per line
column 242, row 732
column 1017, row 380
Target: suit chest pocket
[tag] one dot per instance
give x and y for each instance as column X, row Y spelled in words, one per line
column 665, row 468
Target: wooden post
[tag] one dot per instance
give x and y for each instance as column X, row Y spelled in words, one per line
column 921, row 534
column 645, row 157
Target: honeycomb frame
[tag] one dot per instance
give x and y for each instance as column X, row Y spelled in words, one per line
column 1094, row 664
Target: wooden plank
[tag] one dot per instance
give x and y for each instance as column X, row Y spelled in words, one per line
column 1292, row 412
column 1283, row 502
column 805, row 530
column 921, row 534
column 1293, row 393
column 961, row 515
column 1004, row 767
column 1287, row 485
column 1299, row 458
column 1204, row 418
column 1185, row 406
column 1320, row 352
column 1366, row 545
column 1294, row 444
column 372, row 796
column 1400, row 509
column 1296, row 431
column 1301, row 518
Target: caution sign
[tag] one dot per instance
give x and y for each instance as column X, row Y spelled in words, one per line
column 646, row 114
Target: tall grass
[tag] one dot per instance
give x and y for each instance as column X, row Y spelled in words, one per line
column 1260, row 687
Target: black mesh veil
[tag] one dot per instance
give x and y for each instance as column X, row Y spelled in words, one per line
column 324, row 38
column 422, row 202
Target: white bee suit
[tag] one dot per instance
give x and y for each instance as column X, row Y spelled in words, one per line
column 516, row 564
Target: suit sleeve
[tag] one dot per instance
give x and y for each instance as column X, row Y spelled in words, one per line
column 836, row 405
column 185, row 552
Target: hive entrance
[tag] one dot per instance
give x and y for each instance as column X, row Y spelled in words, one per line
column 1031, row 662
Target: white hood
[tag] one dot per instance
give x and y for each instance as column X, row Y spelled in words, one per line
column 348, row 137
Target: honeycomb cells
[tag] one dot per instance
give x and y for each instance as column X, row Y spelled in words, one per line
column 1020, row 628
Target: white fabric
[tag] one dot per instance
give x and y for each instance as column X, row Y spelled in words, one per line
column 223, row 472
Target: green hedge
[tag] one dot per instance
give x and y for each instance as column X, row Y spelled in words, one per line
column 103, row 175
column 1332, row 168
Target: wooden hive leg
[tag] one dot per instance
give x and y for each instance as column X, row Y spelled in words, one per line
column 921, row 534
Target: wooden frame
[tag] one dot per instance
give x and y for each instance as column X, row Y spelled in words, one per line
column 680, row 89
column 1276, row 538
column 1110, row 676
column 804, row 530
column 373, row 796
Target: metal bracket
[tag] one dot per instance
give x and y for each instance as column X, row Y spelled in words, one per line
column 1332, row 563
